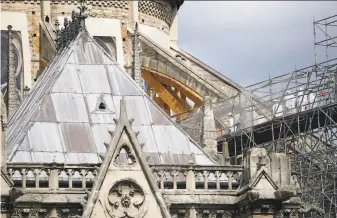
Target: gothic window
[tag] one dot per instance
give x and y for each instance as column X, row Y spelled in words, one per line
column 108, row 43
column 102, row 106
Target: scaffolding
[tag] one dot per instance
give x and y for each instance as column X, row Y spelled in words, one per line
column 325, row 38
column 296, row 114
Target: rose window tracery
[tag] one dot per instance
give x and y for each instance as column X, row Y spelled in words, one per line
column 126, row 199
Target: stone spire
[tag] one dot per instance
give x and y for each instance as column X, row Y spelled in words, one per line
column 208, row 132
column 13, row 97
column 136, row 68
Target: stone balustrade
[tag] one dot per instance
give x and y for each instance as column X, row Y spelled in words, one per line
column 191, row 177
column 168, row 177
column 52, row 176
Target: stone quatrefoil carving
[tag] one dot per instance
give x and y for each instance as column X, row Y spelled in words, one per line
column 125, row 157
column 126, row 199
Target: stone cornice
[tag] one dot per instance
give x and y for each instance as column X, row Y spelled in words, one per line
column 8, row 180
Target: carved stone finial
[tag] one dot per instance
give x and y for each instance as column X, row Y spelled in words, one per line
column 26, row 91
column 253, row 195
column 13, row 96
column 71, row 28
column 82, row 16
column 136, row 68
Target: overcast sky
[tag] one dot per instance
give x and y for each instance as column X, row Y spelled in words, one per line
column 247, row 41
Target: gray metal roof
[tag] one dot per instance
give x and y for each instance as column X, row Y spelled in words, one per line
column 60, row 120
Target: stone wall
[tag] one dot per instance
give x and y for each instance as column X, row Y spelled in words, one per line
column 32, row 9
column 158, row 14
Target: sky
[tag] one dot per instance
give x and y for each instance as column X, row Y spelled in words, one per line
column 248, row 41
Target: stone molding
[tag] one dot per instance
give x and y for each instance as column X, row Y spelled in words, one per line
column 160, row 10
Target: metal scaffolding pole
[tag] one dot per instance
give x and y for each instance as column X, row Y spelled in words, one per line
column 299, row 118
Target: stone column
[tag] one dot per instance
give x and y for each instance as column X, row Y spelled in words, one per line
column 53, row 178
column 190, row 179
column 208, row 132
column 133, row 12
column 45, row 10
column 12, row 104
column 192, row 213
column 280, row 168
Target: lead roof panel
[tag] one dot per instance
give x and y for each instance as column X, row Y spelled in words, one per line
column 136, row 109
column 170, row 139
column 157, row 117
column 24, row 146
column 81, row 158
column 77, row 137
column 68, row 81
column 22, row 157
column 70, row 107
column 146, row 137
column 93, row 79
column 121, row 84
column 48, row 157
column 46, row 112
column 102, row 135
column 45, row 137
column 65, row 123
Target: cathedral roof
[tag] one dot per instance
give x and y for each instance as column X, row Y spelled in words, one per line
column 71, row 112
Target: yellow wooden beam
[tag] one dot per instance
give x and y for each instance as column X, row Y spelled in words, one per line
column 148, row 91
column 167, row 109
column 176, row 94
column 165, row 94
column 190, row 93
column 159, row 101
column 162, row 104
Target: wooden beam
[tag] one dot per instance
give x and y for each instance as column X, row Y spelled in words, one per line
column 162, row 105
column 190, row 93
column 167, row 96
column 176, row 94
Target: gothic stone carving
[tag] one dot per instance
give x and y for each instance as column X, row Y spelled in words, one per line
column 125, row 157
column 126, row 199
column 213, row 214
column 291, row 213
column 253, row 195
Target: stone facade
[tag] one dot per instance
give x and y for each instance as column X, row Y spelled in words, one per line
column 130, row 179
column 157, row 14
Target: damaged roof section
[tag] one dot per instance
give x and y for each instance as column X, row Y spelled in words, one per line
column 68, row 114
